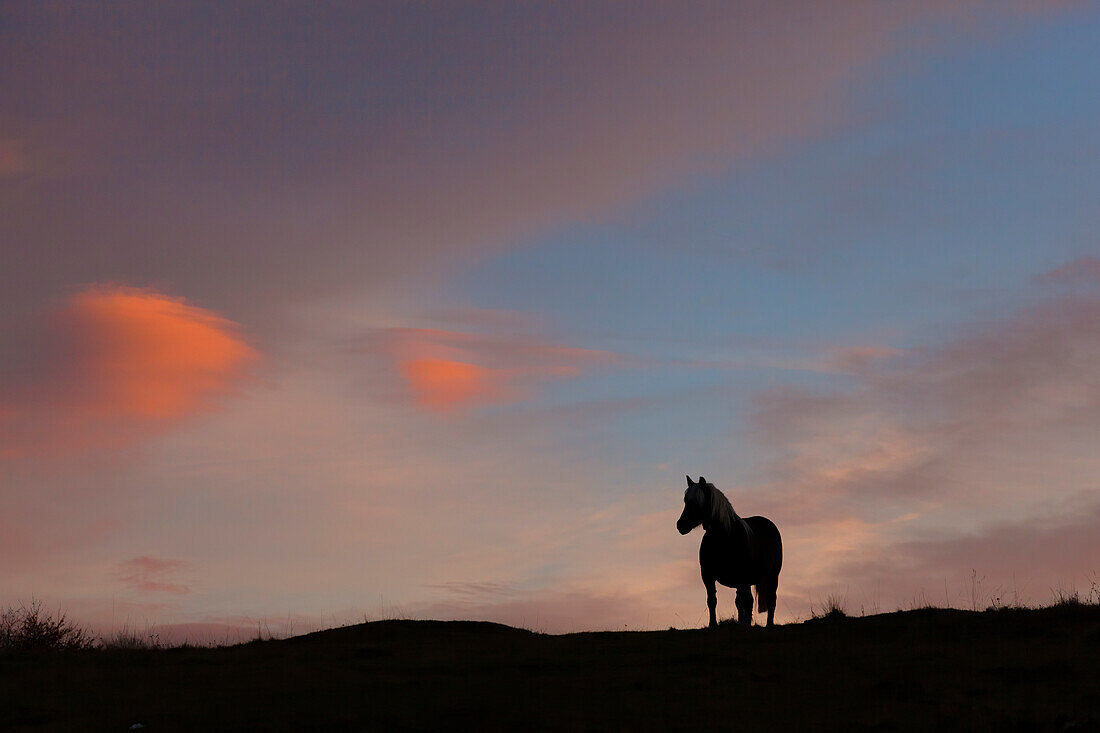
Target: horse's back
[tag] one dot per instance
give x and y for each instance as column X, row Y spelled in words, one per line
column 743, row 558
column 769, row 544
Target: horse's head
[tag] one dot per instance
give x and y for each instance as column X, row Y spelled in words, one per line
column 696, row 501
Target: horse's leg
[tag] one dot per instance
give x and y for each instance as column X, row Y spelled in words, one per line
column 712, row 601
column 744, row 605
column 768, row 591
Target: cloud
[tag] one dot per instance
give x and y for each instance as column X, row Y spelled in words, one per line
column 1025, row 561
column 552, row 612
column 1030, row 374
column 32, row 536
column 476, row 590
column 112, row 361
column 654, row 600
column 12, row 158
column 152, row 575
column 390, row 140
column 442, row 385
column 979, row 441
column 450, row 370
column 1082, row 271
column 1048, row 550
column 859, row 358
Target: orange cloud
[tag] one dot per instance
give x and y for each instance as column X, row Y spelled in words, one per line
column 148, row 355
column 110, row 359
column 441, row 385
column 448, row 370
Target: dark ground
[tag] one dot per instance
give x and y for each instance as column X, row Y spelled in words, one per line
column 998, row 670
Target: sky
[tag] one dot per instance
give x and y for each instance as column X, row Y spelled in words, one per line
column 312, row 313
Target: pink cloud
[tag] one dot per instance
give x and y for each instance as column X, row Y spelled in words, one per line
column 1046, row 550
column 565, row 610
column 12, row 158
column 1027, row 375
column 980, row 442
column 152, row 575
column 1082, row 271
column 1022, row 561
column 237, row 629
column 110, row 362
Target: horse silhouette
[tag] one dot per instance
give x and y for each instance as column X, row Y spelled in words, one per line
column 736, row 552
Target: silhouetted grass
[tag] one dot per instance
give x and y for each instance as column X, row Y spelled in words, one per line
column 1009, row 669
column 831, row 608
column 30, row 628
column 131, row 639
column 1073, row 597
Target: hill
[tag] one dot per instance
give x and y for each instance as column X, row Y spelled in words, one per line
column 1012, row 669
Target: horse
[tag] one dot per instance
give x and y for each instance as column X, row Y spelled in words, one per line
column 736, row 552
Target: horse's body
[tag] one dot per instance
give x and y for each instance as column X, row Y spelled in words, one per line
column 738, row 553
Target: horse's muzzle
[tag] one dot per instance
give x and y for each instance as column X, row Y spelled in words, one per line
column 684, row 527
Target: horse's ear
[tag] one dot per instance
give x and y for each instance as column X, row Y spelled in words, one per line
column 690, row 482
column 702, row 480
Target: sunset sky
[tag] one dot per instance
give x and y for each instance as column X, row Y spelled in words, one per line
column 311, row 312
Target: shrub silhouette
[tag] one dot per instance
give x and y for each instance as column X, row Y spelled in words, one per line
column 30, row 628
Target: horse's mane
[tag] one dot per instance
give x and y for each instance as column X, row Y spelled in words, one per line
column 721, row 511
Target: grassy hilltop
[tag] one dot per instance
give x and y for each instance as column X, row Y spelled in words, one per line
column 1009, row 669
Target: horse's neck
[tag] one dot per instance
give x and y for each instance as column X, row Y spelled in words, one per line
column 722, row 516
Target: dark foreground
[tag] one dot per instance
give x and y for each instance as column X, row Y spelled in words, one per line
column 998, row 670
